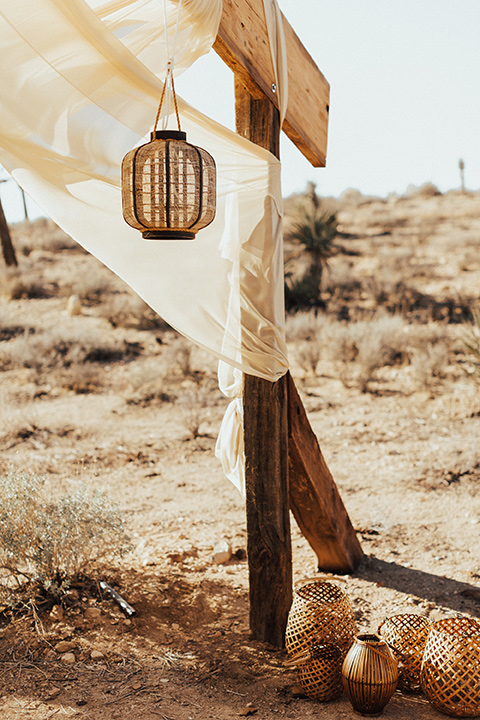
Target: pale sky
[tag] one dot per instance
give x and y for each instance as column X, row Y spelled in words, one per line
column 405, row 95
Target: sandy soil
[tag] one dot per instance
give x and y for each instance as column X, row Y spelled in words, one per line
column 406, row 460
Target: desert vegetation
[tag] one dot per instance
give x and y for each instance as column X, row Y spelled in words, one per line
column 108, row 426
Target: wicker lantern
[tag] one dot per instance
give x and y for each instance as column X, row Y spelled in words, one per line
column 168, row 184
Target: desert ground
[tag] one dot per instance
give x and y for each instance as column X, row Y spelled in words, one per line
column 98, row 391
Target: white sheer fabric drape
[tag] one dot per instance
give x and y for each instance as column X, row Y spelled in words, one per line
column 80, row 89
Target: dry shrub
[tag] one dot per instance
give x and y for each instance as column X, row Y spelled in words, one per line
column 177, row 359
column 128, row 310
column 80, row 379
column 94, row 285
column 340, row 280
column 148, row 384
column 426, row 190
column 57, row 348
column 308, row 355
column 47, row 540
column 303, row 326
column 195, row 404
column 430, row 364
column 22, row 284
column 42, row 234
column 472, row 345
column 361, row 349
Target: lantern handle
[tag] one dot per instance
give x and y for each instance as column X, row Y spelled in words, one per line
column 168, row 77
column 170, row 65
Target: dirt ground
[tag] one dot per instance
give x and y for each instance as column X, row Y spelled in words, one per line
column 405, row 457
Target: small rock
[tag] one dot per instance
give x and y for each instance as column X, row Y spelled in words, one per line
column 53, row 693
column 92, row 613
column 248, row 710
column 175, row 557
column 222, row 553
column 74, row 306
column 64, row 646
column 297, row 691
column 68, row 659
column 96, row 655
column 56, row 613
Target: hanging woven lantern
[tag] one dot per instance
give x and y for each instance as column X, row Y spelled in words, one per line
column 168, row 187
column 168, row 184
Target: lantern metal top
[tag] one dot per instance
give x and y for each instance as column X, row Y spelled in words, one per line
column 168, row 135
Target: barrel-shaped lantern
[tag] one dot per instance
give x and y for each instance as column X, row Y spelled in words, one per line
column 168, row 187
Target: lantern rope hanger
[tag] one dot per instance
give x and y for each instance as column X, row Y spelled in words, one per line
column 168, row 185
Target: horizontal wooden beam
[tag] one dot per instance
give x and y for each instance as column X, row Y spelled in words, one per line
column 314, row 497
column 242, row 43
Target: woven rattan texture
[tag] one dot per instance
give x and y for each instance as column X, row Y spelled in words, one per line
column 369, row 674
column 320, row 676
column 406, row 636
column 168, row 185
column 450, row 674
column 321, row 613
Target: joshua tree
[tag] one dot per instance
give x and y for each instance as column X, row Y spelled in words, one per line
column 315, row 231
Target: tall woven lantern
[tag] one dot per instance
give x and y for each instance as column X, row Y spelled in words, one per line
column 168, row 184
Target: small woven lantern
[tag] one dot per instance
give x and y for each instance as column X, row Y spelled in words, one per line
column 168, row 184
column 321, row 613
column 450, row 674
column 319, row 672
column 406, row 636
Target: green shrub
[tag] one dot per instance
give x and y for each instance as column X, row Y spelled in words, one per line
column 48, row 541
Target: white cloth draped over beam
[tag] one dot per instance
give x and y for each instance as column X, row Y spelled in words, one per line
column 81, row 88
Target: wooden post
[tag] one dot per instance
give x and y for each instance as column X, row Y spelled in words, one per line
column 6, row 241
column 266, row 445
column 25, row 209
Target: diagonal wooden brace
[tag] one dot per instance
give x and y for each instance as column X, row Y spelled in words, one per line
column 314, row 497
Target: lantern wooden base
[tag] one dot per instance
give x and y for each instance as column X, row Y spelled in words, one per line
column 168, row 235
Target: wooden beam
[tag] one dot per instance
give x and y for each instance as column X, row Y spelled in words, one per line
column 242, row 43
column 266, row 445
column 8, row 250
column 314, row 497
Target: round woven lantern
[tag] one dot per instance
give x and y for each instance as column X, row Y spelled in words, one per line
column 406, row 636
column 321, row 613
column 168, row 187
column 369, row 674
column 319, row 674
column 450, row 674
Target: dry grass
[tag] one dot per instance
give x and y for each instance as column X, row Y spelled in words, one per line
column 48, row 538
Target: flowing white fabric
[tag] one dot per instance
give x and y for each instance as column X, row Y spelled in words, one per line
column 80, row 89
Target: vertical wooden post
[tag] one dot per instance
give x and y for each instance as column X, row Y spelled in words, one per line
column 6, row 241
column 25, row 209
column 266, row 445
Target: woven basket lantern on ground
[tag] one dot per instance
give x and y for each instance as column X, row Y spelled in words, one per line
column 406, row 636
column 321, row 613
column 450, row 674
column 369, row 674
column 168, row 187
column 319, row 674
